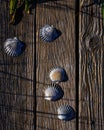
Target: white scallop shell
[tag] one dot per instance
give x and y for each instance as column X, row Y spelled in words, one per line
column 58, row 75
column 13, row 47
column 53, row 93
column 66, row 113
column 49, row 33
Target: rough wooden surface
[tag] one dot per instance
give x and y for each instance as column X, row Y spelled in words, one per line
column 16, row 74
column 61, row 52
column 91, row 87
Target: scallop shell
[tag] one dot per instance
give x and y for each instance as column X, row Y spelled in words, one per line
column 13, row 46
column 53, row 93
column 49, row 33
column 58, row 75
column 66, row 113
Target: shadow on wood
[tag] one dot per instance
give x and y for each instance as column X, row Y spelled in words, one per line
column 19, row 14
column 4, row 72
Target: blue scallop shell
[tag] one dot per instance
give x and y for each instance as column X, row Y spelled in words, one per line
column 66, row 113
column 49, row 33
column 53, row 93
column 14, row 47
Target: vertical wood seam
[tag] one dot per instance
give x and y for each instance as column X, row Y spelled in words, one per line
column 77, row 60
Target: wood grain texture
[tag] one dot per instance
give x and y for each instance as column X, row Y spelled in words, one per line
column 61, row 52
column 16, row 74
column 91, row 89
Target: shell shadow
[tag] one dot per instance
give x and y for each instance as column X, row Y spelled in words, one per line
column 59, row 33
column 23, row 46
column 66, row 77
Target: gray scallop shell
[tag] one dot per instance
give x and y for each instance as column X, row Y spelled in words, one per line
column 58, row 75
column 13, row 47
column 53, row 93
column 66, row 113
column 49, row 33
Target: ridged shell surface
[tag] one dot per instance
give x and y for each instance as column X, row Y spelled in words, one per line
column 13, row 47
column 49, row 33
column 58, row 75
column 53, row 93
column 66, row 113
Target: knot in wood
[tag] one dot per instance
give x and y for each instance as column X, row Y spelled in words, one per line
column 92, row 42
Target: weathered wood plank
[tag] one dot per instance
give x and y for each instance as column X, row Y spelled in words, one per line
column 91, row 112
column 61, row 53
column 16, row 74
